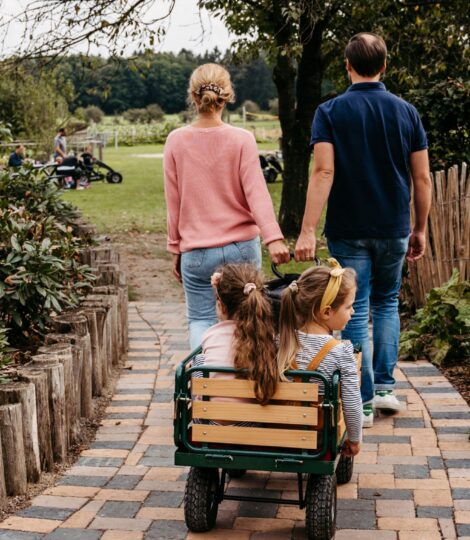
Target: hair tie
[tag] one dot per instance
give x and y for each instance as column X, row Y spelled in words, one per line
column 248, row 288
column 212, row 87
column 293, row 287
column 334, row 283
column 215, row 278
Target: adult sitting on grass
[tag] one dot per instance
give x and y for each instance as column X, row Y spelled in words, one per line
column 217, row 198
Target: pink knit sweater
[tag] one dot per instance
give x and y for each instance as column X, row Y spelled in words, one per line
column 215, row 190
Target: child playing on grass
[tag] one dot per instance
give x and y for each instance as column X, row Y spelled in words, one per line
column 244, row 337
column 312, row 308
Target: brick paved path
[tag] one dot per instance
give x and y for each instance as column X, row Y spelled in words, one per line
column 411, row 481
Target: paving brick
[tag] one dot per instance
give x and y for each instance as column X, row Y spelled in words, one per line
column 122, row 535
column 355, row 519
column 350, row 534
column 262, row 524
column 99, row 462
column 168, row 499
column 417, row 535
column 463, row 530
column 156, row 513
column 44, row 512
column 435, row 511
column 379, row 493
column 124, row 524
column 52, row 501
column 121, row 509
column 121, row 495
column 407, row 524
column 386, row 481
column 74, row 534
column 411, row 471
column 408, row 423
column 355, row 504
column 87, row 481
column 427, row 497
column 167, row 530
column 118, row 445
column 390, row 507
column 26, row 524
column 124, row 481
column 18, row 535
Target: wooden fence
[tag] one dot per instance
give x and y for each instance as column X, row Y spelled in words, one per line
column 447, row 236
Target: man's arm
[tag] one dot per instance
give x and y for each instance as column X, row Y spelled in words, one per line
column 422, row 192
column 318, row 191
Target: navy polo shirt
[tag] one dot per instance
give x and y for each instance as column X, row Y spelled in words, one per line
column 373, row 133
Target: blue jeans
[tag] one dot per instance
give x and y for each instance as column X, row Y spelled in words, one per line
column 197, row 267
column 378, row 263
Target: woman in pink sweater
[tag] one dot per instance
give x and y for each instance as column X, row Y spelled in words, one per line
column 217, row 200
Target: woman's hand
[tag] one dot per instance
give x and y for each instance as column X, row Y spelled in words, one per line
column 350, row 448
column 279, row 252
column 177, row 266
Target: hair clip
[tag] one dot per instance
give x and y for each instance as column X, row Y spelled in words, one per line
column 215, row 278
column 294, row 287
column 248, row 288
column 212, row 87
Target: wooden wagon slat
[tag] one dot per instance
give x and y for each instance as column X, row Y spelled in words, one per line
column 251, row 436
column 250, row 412
column 240, row 388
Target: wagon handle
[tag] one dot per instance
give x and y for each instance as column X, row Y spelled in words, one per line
column 280, row 275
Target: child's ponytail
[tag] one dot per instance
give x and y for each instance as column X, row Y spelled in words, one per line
column 241, row 291
column 288, row 341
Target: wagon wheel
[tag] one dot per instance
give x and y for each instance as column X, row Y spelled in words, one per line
column 344, row 470
column 320, row 514
column 200, row 499
column 114, row 178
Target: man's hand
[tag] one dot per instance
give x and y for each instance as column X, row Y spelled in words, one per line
column 416, row 246
column 350, row 448
column 279, row 252
column 177, row 266
column 305, row 247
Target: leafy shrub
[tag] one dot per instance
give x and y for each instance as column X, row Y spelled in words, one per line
column 40, row 270
column 92, row 113
column 151, row 113
column 274, row 106
column 441, row 329
column 154, row 112
column 250, row 107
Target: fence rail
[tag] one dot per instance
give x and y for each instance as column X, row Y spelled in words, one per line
column 447, row 237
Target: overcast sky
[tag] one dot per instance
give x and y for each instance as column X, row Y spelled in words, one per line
column 183, row 29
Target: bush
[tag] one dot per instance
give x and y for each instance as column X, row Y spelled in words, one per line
column 92, row 113
column 441, row 329
column 154, row 112
column 40, row 272
column 151, row 113
column 250, row 107
column 274, row 106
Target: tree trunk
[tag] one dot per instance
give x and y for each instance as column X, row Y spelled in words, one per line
column 25, row 394
column 297, row 104
column 39, row 379
column 11, row 433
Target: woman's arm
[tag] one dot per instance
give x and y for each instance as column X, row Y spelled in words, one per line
column 259, row 201
column 172, row 198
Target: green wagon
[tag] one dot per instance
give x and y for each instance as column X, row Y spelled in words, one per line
column 298, row 432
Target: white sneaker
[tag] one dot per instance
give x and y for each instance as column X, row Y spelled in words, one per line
column 367, row 416
column 386, row 400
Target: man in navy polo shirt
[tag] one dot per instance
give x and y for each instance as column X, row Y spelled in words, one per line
column 369, row 147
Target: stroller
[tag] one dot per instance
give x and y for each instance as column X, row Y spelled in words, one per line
column 271, row 167
column 84, row 170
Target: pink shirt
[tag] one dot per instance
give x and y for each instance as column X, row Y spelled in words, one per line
column 215, row 190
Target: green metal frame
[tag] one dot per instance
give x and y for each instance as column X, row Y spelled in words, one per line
column 238, row 458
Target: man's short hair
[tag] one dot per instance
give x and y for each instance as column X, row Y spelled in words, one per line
column 367, row 53
column 18, row 146
column 61, row 130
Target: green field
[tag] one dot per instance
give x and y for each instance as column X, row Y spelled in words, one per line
column 138, row 204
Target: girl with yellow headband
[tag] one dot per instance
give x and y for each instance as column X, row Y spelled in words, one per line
column 312, row 308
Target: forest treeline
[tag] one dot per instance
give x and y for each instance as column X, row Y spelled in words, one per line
column 118, row 84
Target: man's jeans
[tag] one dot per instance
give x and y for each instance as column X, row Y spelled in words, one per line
column 378, row 263
column 197, row 267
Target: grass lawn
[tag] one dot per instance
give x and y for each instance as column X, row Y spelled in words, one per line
column 138, row 204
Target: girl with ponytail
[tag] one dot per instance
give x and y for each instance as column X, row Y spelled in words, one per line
column 312, row 308
column 244, row 337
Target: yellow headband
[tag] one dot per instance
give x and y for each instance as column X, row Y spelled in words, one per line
column 331, row 291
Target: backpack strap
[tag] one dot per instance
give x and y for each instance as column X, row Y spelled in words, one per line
column 317, row 359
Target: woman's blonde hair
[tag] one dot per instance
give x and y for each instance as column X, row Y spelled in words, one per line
column 241, row 290
column 210, row 88
column 301, row 303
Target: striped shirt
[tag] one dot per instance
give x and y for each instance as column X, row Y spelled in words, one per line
column 340, row 358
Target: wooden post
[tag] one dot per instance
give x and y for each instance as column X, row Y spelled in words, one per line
column 55, row 380
column 74, row 404
column 3, row 489
column 96, row 352
column 63, row 352
column 76, row 322
column 25, row 394
column 112, row 295
column 39, row 379
column 11, row 433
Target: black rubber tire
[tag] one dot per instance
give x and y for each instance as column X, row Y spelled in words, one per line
column 236, row 473
column 200, row 499
column 344, row 470
column 114, row 178
column 271, row 176
column 320, row 512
